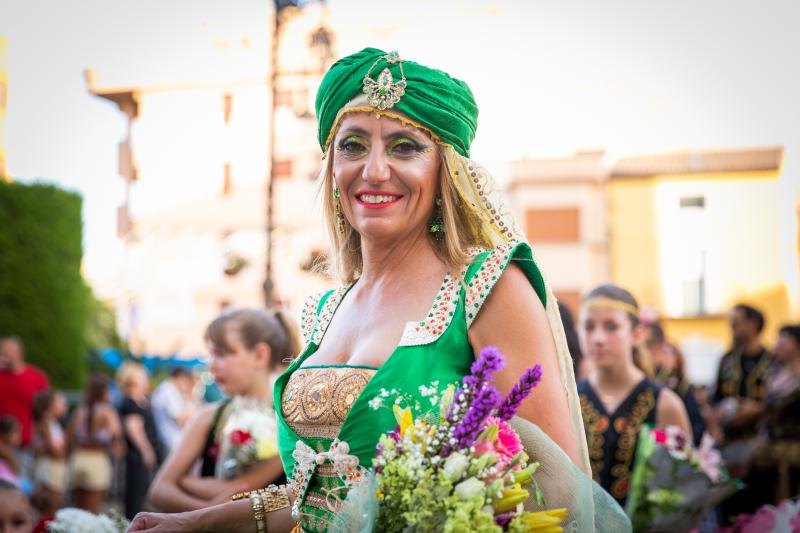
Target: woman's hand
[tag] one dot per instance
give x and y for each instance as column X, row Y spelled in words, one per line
column 166, row 523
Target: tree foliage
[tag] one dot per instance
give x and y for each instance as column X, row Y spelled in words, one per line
column 43, row 298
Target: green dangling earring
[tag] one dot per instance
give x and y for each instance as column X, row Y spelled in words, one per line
column 337, row 208
column 437, row 224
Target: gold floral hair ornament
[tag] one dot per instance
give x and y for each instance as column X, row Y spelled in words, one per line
column 612, row 304
column 385, row 92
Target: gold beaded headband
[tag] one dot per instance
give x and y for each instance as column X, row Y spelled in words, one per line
column 613, row 304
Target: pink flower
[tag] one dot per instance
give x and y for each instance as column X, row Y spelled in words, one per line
column 709, row 458
column 505, row 446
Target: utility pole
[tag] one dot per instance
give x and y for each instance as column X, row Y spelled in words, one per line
column 320, row 41
column 269, row 284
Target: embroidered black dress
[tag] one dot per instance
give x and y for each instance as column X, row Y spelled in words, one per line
column 612, row 437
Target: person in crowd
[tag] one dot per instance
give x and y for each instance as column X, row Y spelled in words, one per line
column 618, row 398
column 139, row 429
column 19, row 382
column 246, row 345
column 433, row 268
column 738, row 398
column 580, row 365
column 16, row 515
column 50, row 473
column 669, row 371
column 94, row 431
column 173, row 404
column 9, row 441
column 782, row 414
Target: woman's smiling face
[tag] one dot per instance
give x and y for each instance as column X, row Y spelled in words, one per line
column 387, row 174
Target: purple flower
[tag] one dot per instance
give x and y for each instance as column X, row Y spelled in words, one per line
column 472, row 424
column 503, row 520
column 489, row 361
column 530, row 378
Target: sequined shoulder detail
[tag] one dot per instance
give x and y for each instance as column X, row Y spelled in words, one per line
column 482, row 282
column 316, row 400
column 326, row 314
column 441, row 312
column 308, row 317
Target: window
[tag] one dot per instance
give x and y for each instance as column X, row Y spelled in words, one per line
column 561, row 225
column 692, row 215
column 227, row 179
column 227, row 107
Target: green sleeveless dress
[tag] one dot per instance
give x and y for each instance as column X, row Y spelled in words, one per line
column 435, row 348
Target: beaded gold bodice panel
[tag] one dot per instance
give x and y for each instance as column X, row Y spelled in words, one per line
column 316, row 400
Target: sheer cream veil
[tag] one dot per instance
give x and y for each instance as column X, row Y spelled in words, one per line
column 481, row 194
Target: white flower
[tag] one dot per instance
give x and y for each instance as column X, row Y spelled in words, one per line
column 470, row 488
column 375, row 403
column 455, row 466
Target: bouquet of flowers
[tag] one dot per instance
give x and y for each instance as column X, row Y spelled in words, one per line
column 674, row 484
column 453, row 464
column 69, row 520
column 248, row 437
column 769, row 519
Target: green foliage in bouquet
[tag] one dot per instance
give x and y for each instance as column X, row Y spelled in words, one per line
column 43, row 298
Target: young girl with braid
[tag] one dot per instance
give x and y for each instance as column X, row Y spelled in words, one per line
column 617, row 398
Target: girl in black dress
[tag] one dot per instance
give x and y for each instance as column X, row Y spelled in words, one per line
column 617, row 398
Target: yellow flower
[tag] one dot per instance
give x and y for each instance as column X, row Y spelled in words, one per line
column 545, row 521
column 511, row 498
column 404, row 418
column 266, row 449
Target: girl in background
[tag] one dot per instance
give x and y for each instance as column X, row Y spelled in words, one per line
column 618, row 397
column 10, row 437
column 16, row 515
column 93, row 432
column 246, row 346
column 50, row 472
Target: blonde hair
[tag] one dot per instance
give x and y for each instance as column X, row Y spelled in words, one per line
column 461, row 230
column 128, row 373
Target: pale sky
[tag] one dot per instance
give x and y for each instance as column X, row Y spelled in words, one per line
column 550, row 77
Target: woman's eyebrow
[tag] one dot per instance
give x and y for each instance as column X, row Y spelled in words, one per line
column 353, row 130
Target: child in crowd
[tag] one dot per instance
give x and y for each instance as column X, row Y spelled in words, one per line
column 10, row 437
column 16, row 515
column 50, row 474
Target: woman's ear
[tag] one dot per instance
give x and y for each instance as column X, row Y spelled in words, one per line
column 263, row 354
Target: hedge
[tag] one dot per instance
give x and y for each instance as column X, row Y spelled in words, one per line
column 43, row 298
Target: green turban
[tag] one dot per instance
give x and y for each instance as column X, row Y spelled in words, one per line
column 443, row 104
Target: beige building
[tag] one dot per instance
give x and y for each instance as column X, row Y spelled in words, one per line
column 562, row 203
column 689, row 233
column 196, row 163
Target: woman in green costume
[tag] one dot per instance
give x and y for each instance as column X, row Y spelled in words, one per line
column 433, row 268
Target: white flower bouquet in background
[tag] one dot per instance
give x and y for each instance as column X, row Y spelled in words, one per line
column 71, row 520
column 248, row 437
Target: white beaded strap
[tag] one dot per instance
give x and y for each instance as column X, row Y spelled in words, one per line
column 485, row 277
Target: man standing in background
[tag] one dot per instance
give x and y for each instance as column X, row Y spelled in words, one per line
column 19, row 383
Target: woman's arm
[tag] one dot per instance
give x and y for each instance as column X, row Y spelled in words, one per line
column 112, row 422
column 134, row 427
column 514, row 319
column 165, row 491
column 233, row 517
column 257, row 477
column 671, row 412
